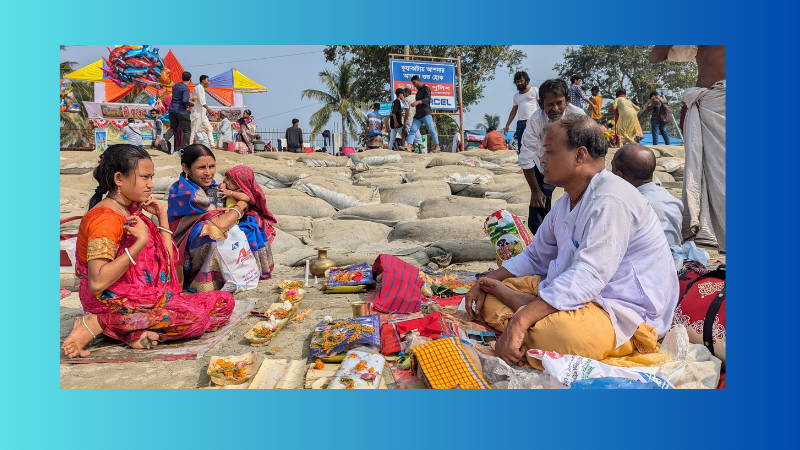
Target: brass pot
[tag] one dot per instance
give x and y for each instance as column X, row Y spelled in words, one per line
column 321, row 263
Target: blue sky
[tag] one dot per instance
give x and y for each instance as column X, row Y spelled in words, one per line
column 287, row 70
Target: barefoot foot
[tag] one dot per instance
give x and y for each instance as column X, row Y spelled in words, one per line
column 81, row 336
column 148, row 339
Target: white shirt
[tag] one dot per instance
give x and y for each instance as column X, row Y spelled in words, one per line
column 456, row 143
column 411, row 109
column 533, row 137
column 225, row 130
column 199, row 105
column 526, row 104
column 668, row 209
column 132, row 131
column 610, row 250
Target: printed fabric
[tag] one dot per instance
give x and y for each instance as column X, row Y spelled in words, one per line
column 401, row 288
column 148, row 296
column 443, row 364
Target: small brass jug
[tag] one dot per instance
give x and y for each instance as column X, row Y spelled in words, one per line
column 321, row 263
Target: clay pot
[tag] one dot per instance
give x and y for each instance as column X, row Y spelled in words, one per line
column 321, row 263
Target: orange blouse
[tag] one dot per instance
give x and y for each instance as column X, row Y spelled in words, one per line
column 99, row 234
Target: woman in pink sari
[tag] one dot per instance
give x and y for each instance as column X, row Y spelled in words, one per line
column 126, row 265
column 247, row 133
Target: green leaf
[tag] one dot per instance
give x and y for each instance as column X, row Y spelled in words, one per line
column 461, row 290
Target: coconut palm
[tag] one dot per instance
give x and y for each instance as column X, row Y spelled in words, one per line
column 338, row 96
column 489, row 121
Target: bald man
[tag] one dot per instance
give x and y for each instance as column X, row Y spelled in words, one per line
column 635, row 164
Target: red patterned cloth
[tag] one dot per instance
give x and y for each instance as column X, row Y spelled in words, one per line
column 246, row 180
column 390, row 341
column 401, row 288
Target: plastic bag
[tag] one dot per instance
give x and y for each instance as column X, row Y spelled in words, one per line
column 502, row 376
column 612, row 383
column 565, row 369
column 354, row 275
column 239, row 267
column 508, row 234
column 330, row 339
column 359, row 370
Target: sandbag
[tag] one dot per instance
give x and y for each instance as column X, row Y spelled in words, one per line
column 503, row 169
column 339, row 194
column 413, row 193
column 502, row 157
column 298, row 226
column 520, row 196
column 296, row 257
column 288, row 175
column 476, row 162
column 284, row 242
column 663, row 177
column 304, row 205
column 462, row 250
column 670, row 165
column 348, row 234
column 282, row 192
column 481, row 190
column 446, row 159
column 378, row 181
column 451, row 206
column 376, row 157
column 389, row 214
column 280, row 156
column 432, row 230
column 319, row 159
column 520, row 209
column 464, row 175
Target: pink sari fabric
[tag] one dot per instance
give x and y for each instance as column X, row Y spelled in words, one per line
column 148, row 296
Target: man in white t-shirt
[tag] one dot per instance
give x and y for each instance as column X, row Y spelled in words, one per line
column 456, row 146
column 526, row 102
column 410, row 111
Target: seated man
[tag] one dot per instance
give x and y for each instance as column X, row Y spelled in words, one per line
column 598, row 279
column 258, row 144
column 494, row 140
column 635, row 164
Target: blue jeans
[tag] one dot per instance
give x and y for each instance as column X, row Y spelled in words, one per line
column 521, row 124
column 392, row 137
column 428, row 121
column 655, row 127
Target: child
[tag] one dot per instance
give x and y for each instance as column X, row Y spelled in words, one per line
column 231, row 192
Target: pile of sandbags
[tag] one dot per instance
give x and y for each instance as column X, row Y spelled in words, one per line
column 432, row 230
column 413, row 193
column 339, row 194
column 348, row 234
column 452, row 206
column 389, row 214
column 300, row 227
column 279, row 175
column 297, row 205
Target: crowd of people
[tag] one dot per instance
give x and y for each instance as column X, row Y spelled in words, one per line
column 598, row 280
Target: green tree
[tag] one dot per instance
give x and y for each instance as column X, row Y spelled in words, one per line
column 479, row 64
column 338, row 96
column 489, row 121
column 76, row 129
column 625, row 66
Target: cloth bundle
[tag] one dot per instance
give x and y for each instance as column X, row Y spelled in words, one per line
column 444, row 364
column 401, row 288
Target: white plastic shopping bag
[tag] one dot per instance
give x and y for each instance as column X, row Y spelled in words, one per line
column 564, row 369
column 239, row 267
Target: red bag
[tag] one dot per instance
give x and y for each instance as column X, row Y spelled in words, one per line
column 231, row 146
column 65, row 262
column 701, row 309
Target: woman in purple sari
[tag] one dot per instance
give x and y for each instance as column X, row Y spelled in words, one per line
column 247, row 133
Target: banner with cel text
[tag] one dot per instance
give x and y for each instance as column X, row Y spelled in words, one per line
column 440, row 78
column 117, row 111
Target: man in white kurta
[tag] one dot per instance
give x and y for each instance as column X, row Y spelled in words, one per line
column 200, row 121
column 598, row 280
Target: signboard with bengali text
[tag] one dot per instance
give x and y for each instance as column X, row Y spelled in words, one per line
column 440, row 78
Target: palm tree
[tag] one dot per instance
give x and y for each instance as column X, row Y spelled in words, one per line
column 490, row 120
column 338, row 96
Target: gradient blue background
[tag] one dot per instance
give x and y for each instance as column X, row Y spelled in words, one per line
column 756, row 409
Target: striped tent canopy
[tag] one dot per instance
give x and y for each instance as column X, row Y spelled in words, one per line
column 222, row 86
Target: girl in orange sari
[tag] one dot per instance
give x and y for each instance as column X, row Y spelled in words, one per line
column 126, row 265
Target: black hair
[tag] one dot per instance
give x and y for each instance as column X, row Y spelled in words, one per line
column 399, row 91
column 203, row 77
column 186, row 76
column 555, row 86
column 595, row 88
column 492, row 128
column 154, row 110
column 407, row 90
column 130, row 119
column 584, row 132
column 376, row 106
column 620, row 91
column 249, row 113
column 415, row 77
column 522, row 74
column 653, row 94
column 123, row 158
column 634, row 169
column 193, row 152
column 295, row 121
column 575, row 77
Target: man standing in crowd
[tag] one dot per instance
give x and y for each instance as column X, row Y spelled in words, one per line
column 655, row 105
column 554, row 105
column 396, row 118
column 423, row 113
column 410, row 111
column 597, row 102
column 494, row 140
column 179, row 120
column 635, row 164
column 375, row 127
column 200, row 122
column 133, row 133
column 455, row 147
column 576, row 94
column 704, row 133
column 224, row 131
column 158, row 129
column 526, row 102
column 294, row 137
